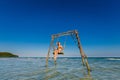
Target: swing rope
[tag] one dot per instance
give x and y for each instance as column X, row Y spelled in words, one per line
column 65, row 43
column 74, row 39
column 57, row 39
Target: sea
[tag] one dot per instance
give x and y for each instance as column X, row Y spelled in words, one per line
column 66, row 68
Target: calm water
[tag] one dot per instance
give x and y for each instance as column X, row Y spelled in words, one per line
column 66, row 69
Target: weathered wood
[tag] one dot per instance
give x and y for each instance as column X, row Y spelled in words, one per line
column 83, row 55
column 51, row 43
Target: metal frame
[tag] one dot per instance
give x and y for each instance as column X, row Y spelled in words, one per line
column 74, row 34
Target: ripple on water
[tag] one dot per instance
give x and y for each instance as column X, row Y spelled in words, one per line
column 66, row 69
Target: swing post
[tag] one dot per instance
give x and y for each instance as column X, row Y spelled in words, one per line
column 83, row 55
column 51, row 43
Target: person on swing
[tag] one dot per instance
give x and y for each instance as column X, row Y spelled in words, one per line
column 58, row 50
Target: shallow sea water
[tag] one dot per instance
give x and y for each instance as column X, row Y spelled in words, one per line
column 67, row 68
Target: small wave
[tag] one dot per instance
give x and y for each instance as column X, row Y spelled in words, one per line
column 64, row 59
column 4, row 58
column 113, row 58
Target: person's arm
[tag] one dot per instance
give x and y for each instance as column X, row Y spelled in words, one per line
column 61, row 47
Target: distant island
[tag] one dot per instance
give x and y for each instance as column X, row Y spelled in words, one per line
column 7, row 55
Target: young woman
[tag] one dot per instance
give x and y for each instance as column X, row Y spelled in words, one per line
column 58, row 50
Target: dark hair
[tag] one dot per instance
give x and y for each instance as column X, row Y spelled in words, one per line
column 58, row 42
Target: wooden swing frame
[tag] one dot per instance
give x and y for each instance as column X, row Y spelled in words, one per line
column 74, row 34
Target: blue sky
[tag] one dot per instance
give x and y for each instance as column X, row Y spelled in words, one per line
column 26, row 26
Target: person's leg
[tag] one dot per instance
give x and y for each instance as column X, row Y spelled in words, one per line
column 59, row 51
column 55, row 54
column 83, row 55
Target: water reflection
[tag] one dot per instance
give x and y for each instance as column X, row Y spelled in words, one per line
column 87, row 76
column 54, row 74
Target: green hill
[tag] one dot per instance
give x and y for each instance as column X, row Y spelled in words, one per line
column 7, row 54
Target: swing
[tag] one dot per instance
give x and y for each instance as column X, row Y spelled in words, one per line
column 73, row 33
column 62, row 52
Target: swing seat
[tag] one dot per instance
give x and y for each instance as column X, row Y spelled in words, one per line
column 61, row 53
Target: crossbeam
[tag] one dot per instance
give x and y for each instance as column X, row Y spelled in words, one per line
column 64, row 33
